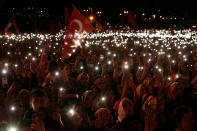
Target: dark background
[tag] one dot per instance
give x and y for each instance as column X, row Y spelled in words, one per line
column 107, row 5
column 54, row 11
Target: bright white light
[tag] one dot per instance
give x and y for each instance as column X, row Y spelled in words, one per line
column 12, row 108
column 177, row 76
column 173, row 61
column 4, row 71
column 96, row 68
column 73, row 50
column 109, row 62
column 109, row 53
column 156, row 66
column 81, row 67
column 71, row 112
column 8, row 53
column 126, row 63
column 12, row 129
column 16, row 65
column 61, row 89
column 6, row 64
column 169, row 78
column 57, row 73
column 126, row 66
column 33, row 58
column 114, row 55
column 103, row 98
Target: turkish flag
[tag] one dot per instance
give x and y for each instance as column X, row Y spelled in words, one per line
column 132, row 21
column 77, row 24
column 7, row 32
column 14, row 24
column 10, row 25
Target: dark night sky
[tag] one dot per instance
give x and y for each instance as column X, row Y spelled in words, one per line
column 108, row 5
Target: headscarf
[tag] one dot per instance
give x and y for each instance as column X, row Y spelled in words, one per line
column 121, row 110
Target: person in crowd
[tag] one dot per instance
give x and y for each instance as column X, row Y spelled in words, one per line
column 38, row 117
column 103, row 119
column 147, row 84
column 183, row 118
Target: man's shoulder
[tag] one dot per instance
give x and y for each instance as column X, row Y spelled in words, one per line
column 28, row 114
column 27, row 118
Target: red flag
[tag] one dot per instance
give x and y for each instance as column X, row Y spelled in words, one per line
column 14, row 24
column 9, row 25
column 132, row 21
column 43, row 63
column 78, row 23
column 44, row 59
column 7, row 32
column 66, row 14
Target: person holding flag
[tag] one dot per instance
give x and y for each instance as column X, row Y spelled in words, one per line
column 10, row 25
column 77, row 24
column 132, row 21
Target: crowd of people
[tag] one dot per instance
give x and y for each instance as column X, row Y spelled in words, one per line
column 111, row 82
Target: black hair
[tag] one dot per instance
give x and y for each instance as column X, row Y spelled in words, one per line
column 53, row 66
column 74, row 74
column 155, row 91
column 38, row 93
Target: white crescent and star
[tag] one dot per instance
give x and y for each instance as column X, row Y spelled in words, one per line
column 79, row 23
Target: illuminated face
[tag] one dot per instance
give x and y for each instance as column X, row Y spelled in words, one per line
column 38, row 102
